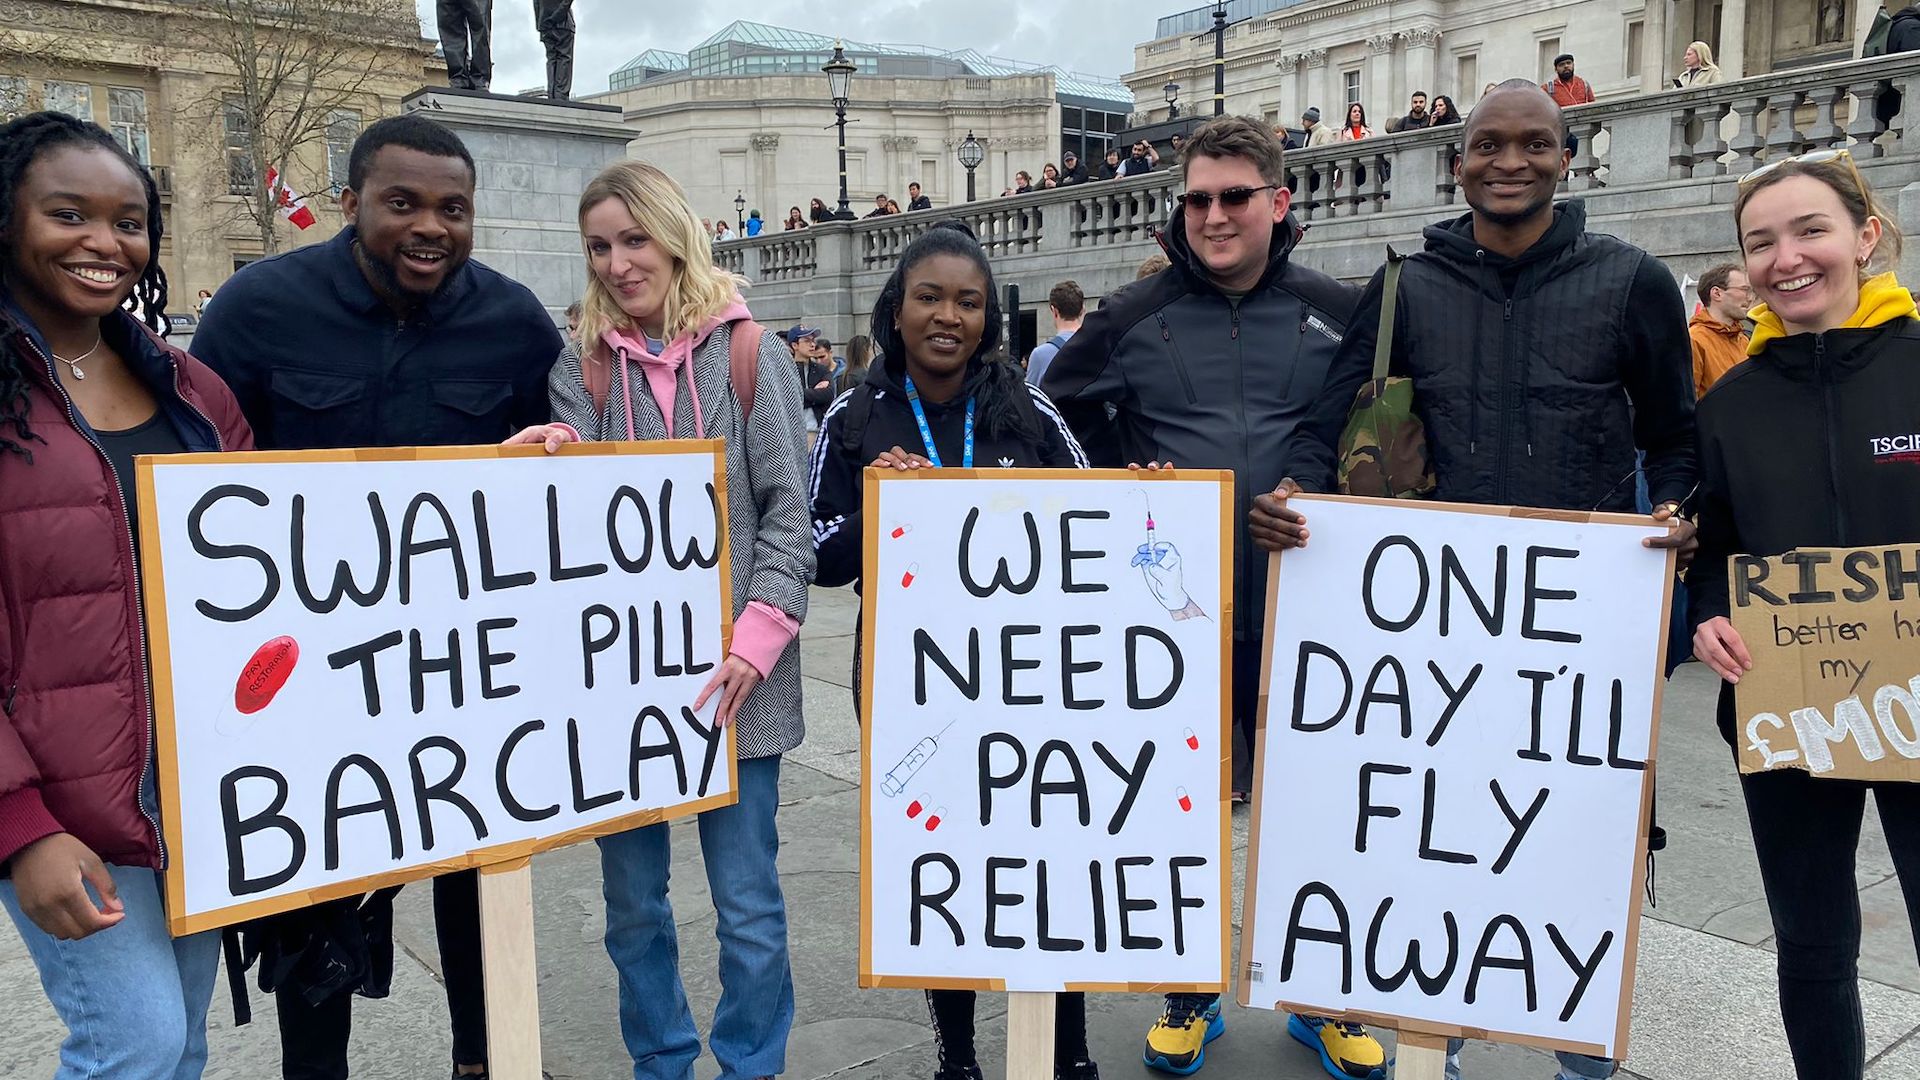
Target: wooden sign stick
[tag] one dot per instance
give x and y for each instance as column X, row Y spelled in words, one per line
column 1030, row 1035
column 512, row 983
column 1420, row 1057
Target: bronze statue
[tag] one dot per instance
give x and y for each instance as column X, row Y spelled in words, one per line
column 555, row 20
column 466, row 35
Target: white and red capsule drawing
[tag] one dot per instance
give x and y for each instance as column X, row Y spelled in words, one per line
column 900, row 531
column 917, row 806
column 1193, row 741
column 933, row 819
column 906, row 579
column 1186, row 801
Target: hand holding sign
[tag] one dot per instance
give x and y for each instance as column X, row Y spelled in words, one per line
column 1720, row 647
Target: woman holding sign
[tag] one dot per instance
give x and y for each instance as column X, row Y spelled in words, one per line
column 931, row 387
column 669, row 351
column 84, row 387
column 1801, row 447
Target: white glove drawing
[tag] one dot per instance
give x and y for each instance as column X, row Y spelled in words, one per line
column 1166, row 576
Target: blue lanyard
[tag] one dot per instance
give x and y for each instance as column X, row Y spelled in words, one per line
column 926, row 433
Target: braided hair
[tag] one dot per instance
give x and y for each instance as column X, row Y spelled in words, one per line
column 23, row 142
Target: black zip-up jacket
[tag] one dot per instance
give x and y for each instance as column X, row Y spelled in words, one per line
column 815, row 397
column 1206, row 381
column 1813, row 443
column 836, row 479
column 1537, row 376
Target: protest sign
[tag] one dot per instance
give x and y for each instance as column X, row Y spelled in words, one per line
column 371, row 667
column 1456, row 749
column 1045, row 746
column 1835, row 638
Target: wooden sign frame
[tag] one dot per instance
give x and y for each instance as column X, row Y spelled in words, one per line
column 1427, row 1038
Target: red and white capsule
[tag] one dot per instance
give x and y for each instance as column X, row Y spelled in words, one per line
column 917, row 807
column 900, row 531
column 1186, row 801
column 1193, row 741
column 933, row 819
column 906, row 579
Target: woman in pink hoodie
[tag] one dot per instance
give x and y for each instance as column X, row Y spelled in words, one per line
column 657, row 330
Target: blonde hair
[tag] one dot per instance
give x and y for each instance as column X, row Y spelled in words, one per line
column 1856, row 198
column 1705, row 52
column 699, row 290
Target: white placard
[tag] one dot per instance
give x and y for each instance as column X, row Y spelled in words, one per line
column 1458, row 725
column 1045, row 767
column 375, row 670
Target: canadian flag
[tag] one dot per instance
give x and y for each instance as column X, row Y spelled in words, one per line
column 291, row 204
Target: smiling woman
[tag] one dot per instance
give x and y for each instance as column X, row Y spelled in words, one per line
column 84, row 387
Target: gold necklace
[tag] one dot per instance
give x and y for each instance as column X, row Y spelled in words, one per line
column 74, row 364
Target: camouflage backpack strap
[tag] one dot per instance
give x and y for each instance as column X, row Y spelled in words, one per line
column 1383, row 449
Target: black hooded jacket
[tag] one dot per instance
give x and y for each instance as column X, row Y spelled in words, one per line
column 1536, row 376
column 1204, row 380
column 1904, row 34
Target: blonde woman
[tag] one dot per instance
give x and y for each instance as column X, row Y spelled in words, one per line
column 1697, row 67
column 654, row 363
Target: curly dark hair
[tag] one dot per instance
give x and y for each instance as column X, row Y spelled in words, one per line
column 23, row 142
column 993, row 383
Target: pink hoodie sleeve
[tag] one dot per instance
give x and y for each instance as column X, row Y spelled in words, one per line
column 761, row 634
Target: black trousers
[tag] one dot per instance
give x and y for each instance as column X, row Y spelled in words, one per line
column 313, row 1039
column 466, row 34
column 1246, row 709
column 1806, row 832
column 554, row 18
column 952, row 1013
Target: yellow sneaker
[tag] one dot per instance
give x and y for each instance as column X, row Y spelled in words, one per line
column 1346, row 1050
column 1178, row 1042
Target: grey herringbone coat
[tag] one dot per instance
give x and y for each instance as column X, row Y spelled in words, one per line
column 768, row 525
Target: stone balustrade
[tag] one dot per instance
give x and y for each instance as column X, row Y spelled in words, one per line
column 1659, row 170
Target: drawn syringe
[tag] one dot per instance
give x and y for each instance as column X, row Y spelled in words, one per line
column 896, row 780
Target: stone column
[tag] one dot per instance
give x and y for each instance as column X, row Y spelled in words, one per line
column 1290, row 94
column 1732, row 54
column 765, row 180
column 1315, row 86
column 1423, row 50
column 906, row 162
column 1379, row 98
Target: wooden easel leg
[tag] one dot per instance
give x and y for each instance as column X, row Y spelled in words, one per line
column 1030, row 1036
column 1420, row 1057
column 512, row 983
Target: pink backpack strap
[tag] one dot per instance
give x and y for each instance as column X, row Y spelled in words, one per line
column 743, row 357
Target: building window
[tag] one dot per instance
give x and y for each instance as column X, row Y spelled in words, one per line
column 127, row 119
column 1636, row 40
column 242, row 176
column 13, row 97
column 74, row 99
column 1352, row 81
column 1466, row 77
column 1549, row 48
column 343, row 127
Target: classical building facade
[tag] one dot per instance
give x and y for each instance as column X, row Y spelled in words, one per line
column 160, row 75
column 747, row 115
column 1283, row 56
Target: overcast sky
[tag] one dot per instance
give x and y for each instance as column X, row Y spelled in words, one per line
column 1096, row 38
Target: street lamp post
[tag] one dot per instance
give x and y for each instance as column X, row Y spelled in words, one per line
column 740, row 212
column 839, row 75
column 1173, row 100
column 971, row 154
column 1220, row 57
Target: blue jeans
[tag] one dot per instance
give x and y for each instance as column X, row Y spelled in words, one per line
column 1572, row 1066
column 739, row 845
column 134, row 1000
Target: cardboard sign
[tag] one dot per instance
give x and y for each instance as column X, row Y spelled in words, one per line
column 371, row 667
column 1835, row 639
column 1045, row 753
column 1456, row 750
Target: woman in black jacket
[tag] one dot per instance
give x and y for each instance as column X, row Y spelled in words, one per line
column 933, row 399
column 1794, row 454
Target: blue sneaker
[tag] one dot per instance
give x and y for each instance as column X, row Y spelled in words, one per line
column 1346, row 1051
column 1178, row 1042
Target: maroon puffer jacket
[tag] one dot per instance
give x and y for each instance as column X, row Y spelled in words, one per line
column 75, row 706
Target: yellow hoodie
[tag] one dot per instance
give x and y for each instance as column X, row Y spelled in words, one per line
column 1882, row 300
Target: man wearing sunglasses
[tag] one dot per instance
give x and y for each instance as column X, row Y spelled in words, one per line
column 1213, row 364
column 1541, row 357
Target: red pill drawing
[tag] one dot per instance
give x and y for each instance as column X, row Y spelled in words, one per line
column 1193, row 741
column 906, row 579
column 900, row 531
column 916, row 806
column 933, row 819
column 265, row 674
column 1186, row 803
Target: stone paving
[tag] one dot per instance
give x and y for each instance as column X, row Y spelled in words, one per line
column 1704, row 1004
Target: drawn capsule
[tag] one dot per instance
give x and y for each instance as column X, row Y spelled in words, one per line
column 1193, row 741
column 906, row 579
column 264, row 674
column 900, row 531
column 917, row 805
column 1186, row 802
column 933, row 819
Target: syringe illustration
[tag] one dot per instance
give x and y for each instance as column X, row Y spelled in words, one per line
column 896, row 780
column 1149, row 553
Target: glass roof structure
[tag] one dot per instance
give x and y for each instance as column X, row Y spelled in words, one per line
column 1200, row 19
column 750, row 48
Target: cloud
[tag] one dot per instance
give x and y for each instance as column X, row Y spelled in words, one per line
column 1098, row 40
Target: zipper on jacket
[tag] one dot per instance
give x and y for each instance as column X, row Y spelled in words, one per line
column 1235, row 308
column 1506, row 414
column 139, row 614
column 1180, row 362
column 1824, row 377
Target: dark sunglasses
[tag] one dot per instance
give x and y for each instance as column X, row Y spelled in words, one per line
column 1233, row 198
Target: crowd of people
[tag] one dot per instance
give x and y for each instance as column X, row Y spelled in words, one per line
column 1551, row 366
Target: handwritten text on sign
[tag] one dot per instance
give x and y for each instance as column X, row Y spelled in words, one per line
column 370, row 670
column 1835, row 640
column 1046, row 745
column 1460, row 716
